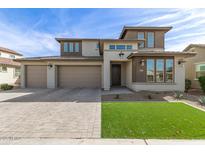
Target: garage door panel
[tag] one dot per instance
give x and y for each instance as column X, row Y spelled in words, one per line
column 79, row 76
column 36, row 76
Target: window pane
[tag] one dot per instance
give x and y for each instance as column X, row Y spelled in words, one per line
column 160, row 70
column 169, row 70
column 12, row 56
column 3, row 69
column 120, row 47
column 198, row 74
column 112, row 47
column 65, row 45
column 141, row 44
column 17, row 72
column 129, row 47
column 71, row 49
column 150, row 70
column 76, row 47
column 200, row 70
column 140, row 35
column 150, row 39
column 97, row 46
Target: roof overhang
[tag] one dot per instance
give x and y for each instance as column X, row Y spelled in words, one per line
column 193, row 46
column 59, row 58
column 2, row 49
column 10, row 62
column 93, row 39
column 76, row 39
column 125, row 28
column 162, row 54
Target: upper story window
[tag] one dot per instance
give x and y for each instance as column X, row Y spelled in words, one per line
column 112, row 47
column 150, row 39
column 65, row 47
column 141, row 44
column 200, row 70
column 120, row 47
column 3, row 68
column 12, row 56
column 140, row 35
column 129, row 47
column 97, row 46
column 17, row 72
column 77, row 47
column 71, row 46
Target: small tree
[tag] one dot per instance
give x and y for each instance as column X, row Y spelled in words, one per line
column 187, row 85
column 202, row 83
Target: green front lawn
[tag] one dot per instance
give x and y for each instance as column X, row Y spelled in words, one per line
column 152, row 120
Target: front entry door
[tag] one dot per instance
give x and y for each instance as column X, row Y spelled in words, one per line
column 116, row 75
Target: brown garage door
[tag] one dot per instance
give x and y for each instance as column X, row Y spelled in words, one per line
column 79, row 76
column 36, row 76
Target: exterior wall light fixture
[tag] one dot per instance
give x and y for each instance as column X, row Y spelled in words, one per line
column 121, row 54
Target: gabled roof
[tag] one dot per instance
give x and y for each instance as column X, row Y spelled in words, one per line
column 125, row 28
column 2, row 49
column 194, row 45
column 6, row 61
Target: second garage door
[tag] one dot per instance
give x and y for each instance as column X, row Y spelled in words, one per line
column 79, row 76
column 36, row 76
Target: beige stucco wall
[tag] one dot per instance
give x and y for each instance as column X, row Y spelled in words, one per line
column 191, row 63
column 113, row 56
column 89, row 48
column 7, row 55
column 178, row 85
column 8, row 77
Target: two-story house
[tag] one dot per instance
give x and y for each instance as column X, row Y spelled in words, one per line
column 9, row 69
column 136, row 60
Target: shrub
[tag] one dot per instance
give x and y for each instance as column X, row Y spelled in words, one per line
column 202, row 100
column 202, row 83
column 178, row 95
column 6, row 86
column 149, row 96
column 187, row 85
column 117, row 96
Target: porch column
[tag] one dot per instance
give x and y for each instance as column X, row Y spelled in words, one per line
column 51, row 76
column 23, row 76
column 106, row 74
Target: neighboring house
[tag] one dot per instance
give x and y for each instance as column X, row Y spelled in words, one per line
column 136, row 60
column 195, row 66
column 9, row 69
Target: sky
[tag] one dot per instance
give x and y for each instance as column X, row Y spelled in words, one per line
column 32, row 32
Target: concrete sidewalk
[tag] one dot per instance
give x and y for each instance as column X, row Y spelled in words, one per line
column 54, row 141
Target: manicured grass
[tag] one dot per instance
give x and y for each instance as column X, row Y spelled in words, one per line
column 152, row 120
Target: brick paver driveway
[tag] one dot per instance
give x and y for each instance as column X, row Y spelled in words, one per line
column 50, row 113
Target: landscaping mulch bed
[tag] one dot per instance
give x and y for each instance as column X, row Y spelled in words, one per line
column 138, row 96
